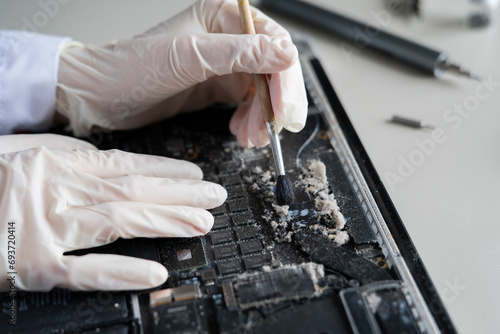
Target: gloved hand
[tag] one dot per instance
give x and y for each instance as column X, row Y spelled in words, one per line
column 15, row 143
column 186, row 63
column 53, row 201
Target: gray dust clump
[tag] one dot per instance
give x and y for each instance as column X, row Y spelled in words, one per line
column 281, row 210
column 313, row 180
column 261, row 181
column 331, row 220
column 278, row 216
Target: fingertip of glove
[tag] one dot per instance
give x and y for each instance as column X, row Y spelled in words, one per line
column 243, row 139
column 220, row 194
column 285, row 50
column 144, row 274
column 182, row 169
column 203, row 222
column 265, row 54
column 141, row 274
column 196, row 172
column 209, row 223
column 87, row 146
column 208, row 195
column 260, row 139
column 295, row 127
column 293, row 113
column 157, row 274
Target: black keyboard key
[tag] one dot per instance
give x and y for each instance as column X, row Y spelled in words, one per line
column 218, row 211
column 242, row 218
column 231, row 180
column 135, row 146
column 254, row 262
column 221, row 222
column 247, row 232
column 251, row 246
column 220, row 237
column 208, row 170
column 235, row 192
column 123, row 146
column 225, row 251
column 228, row 167
column 211, row 178
column 229, row 267
column 216, row 155
column 240, row 204
column 175, row 147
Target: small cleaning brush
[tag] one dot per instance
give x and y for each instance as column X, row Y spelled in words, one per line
column 284, row 188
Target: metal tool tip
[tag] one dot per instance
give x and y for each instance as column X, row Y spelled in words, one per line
column 476, row 77
column 460, row 70
column 470, row 74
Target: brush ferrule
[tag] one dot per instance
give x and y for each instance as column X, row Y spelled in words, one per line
column 272, row 130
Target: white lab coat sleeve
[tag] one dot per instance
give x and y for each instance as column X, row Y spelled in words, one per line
column 28, row 78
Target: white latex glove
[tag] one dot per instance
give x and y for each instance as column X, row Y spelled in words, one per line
column 15, row 143
column 189, row 62
column 62, row 200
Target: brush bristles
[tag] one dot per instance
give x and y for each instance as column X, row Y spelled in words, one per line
column 284, row 191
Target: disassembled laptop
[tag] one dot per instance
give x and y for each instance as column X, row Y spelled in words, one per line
column 338, row 260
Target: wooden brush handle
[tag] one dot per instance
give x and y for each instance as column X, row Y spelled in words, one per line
column 260, row 79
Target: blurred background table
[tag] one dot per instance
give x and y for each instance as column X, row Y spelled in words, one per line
column 447, row 196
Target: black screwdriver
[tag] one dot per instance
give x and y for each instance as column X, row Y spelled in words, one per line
column 365, row 35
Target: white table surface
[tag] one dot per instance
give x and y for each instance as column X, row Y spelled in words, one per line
column 448, row 200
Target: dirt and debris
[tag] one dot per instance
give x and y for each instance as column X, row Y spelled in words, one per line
column 313, row 180
column 261, row 181
column 265, row 183
column 281, row 210
column 331, row 221
column 278, row 216
column 374, row 301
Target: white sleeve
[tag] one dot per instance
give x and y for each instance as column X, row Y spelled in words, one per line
column 28, row 79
